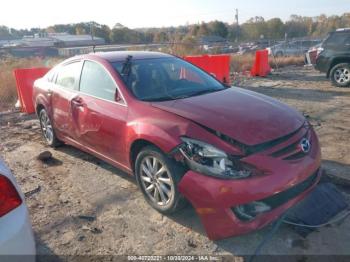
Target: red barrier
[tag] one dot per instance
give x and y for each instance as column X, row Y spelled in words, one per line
column 261, row 66
column 218, row 65
column 24, row 80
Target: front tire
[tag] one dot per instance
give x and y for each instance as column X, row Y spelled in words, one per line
column 157, row 177
column 340, row 75
column 47, row 129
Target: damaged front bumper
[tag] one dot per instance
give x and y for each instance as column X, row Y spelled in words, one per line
column 224, row 205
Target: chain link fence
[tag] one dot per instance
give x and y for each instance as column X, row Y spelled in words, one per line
column 8, row 92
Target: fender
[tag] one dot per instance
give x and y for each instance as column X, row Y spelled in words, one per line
column 342, row 58
column 154, row 132
column 40, row 98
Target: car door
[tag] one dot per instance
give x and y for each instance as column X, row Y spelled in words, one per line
column 100, row 120
column 65, row 87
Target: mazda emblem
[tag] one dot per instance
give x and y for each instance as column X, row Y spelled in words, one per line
column 305, row 145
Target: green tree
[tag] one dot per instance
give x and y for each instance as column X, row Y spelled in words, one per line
column 254, row 28
column 203, row 30
column 218, row 28
column 161, row 37
column 275, row 28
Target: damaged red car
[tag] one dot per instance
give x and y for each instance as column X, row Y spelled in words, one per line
column 240, row 158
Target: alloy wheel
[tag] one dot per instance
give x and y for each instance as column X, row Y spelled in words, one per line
column 46, row 127
column 156, row 181
column 342, row 75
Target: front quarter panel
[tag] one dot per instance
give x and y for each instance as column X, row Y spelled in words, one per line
column 39, row 94
column 156, row 126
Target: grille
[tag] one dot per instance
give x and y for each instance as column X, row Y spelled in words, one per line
column 284, row 196
column 292, row 151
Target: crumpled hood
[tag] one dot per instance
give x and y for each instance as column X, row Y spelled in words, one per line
column 243, row 115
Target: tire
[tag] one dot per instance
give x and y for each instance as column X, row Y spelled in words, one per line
column 340, row 75
column 47, row 129
column 153, row 186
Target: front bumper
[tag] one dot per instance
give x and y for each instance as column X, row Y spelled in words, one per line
column 214, row 199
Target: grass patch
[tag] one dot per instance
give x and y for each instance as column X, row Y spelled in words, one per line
column 8, row 92
column 241, row 63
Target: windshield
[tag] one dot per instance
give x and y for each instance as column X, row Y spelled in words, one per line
column 161, row 79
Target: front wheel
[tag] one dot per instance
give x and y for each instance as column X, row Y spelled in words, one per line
column 340, row 75
column 158, row 176
column 47, row 129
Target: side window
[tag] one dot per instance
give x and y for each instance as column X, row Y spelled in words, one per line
column 50, row 76
column 68, row 75
column 347, row 40
column 95, row 81
column 336, row 39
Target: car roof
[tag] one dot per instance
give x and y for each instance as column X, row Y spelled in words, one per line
column 122, row 55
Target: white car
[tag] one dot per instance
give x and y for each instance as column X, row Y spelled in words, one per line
column 16, row 235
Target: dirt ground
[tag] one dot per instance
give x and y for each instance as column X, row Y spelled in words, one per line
column 81, row 205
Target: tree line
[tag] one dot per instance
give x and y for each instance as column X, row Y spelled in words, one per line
column 253, row 29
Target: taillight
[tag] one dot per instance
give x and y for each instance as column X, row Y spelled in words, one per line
column 9, row 197
column 319, row 50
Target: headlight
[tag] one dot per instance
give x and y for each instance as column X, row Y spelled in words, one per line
column 207, row 159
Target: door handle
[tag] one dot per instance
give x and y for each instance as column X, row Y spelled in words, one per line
column 77, row 101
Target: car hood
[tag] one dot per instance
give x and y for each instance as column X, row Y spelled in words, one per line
column 243, row 115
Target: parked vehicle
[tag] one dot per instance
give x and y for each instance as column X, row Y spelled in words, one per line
column 16, row 235
column 297, row 47
column 251, row 47
column 240, row 158
column 311, row 54
column 334, row 57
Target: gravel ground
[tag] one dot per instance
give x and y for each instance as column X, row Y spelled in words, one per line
column 83, row 206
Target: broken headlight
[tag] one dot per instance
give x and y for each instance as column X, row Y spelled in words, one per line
column 207, row 159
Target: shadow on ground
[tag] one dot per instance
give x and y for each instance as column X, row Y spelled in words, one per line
column 241, row 245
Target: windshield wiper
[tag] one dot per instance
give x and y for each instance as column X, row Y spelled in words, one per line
column 158, row 99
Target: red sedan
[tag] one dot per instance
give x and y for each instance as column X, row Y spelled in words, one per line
column 240, row 158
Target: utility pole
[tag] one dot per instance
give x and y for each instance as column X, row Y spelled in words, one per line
column 92, row 30
column 237, row 24
column 236, row 16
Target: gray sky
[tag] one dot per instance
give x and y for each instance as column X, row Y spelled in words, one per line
column 156, row 13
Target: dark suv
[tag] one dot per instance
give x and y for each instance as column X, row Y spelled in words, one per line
column 334, row 57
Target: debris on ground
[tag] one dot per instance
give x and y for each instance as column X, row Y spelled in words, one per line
column 191, row 243
column 44, row 156
column 32, row 192
column 88, row 218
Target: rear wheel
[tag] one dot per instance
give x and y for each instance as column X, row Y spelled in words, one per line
column 47, row 129
column 340, row 75
column 158, row 176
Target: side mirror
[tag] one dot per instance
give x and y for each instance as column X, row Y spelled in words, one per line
column 117, row 97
